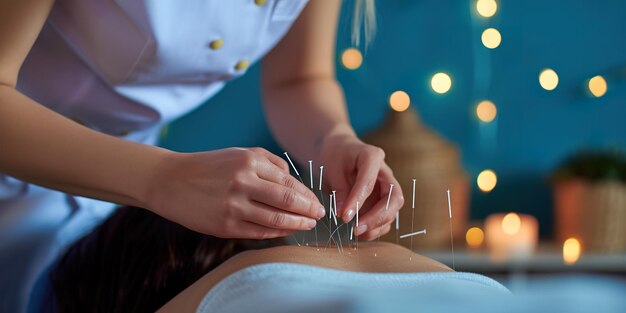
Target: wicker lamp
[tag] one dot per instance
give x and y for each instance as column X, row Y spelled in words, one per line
column 414, row 151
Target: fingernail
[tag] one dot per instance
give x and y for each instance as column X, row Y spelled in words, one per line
column 312, row 224
column 348, row 216
column 321, row 212
column 361, row 229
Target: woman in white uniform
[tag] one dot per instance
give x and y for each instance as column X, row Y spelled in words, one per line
column 86, row 85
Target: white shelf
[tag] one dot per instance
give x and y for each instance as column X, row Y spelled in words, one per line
column 544, row 260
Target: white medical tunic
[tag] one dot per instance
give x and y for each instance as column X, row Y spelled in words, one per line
column 124, row 68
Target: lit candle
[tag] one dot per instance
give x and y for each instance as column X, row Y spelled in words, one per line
column 571, row 251
column 511, row 236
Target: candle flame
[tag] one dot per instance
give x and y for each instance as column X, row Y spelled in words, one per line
column 571, row 251
column 511, row 224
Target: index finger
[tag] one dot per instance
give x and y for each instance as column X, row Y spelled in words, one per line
column 276, row 160
column 285, row 179
column 286, row 199
column 380, row 215
column 368, row 167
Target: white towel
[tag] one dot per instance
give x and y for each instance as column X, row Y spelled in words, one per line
column 286, row 287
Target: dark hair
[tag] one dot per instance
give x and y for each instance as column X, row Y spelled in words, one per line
column 136, row 261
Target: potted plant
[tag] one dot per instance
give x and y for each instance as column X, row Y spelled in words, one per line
column 590, row 199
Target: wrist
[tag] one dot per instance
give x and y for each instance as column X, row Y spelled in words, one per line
column 339, row 132
column 337, row 138
column 156, row 169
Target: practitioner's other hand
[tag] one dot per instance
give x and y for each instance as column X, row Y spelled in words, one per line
column 233, row 193
column 358, row 172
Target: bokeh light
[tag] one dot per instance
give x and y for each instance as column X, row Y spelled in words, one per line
column 441, row 83
column 399, row 101
column 487, row 180
column 571, row 251
column 486, row 8
column 548, row 79
column 474, row 237
column 351, row 58
column 491, row 38
column 597, row 86
column 486, row 111
column 511, row 224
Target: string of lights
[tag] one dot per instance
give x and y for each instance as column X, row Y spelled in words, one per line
column 485, row 110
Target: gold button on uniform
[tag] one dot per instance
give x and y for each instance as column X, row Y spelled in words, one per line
column 216, row 44
column 242, row 65
column 260, row 2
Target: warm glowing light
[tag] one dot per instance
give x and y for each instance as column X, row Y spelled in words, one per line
column 399, row 101
column 487, row 180
column 486, row 111
column 511, row 224
column 491, row 38
column 571, row 251
column 474, row 237
column 548, row 79
column 486, row 8
column 597, row 86
column 441, row 82
column 351, row 58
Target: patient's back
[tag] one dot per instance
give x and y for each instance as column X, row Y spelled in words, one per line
column 369, row 258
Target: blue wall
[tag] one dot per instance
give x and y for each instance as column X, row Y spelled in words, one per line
column 535, row 128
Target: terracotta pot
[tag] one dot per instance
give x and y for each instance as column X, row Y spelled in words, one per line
column 414, row 151
column 593, row 212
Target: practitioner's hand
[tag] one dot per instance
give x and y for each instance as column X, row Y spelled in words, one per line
column 357, row 171
column 233, row 193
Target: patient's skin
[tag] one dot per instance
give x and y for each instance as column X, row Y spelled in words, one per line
column 371, row 257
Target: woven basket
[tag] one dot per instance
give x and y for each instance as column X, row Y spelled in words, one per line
column 414, row 151
column 594, row 213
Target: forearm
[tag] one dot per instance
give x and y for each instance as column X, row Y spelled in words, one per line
column 301, row 114
column 40, row 146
